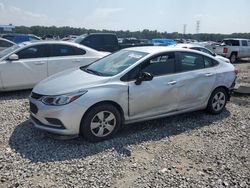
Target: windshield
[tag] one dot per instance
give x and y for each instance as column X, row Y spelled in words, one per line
column 79, row 39
column 114, row 63
column 8, row 50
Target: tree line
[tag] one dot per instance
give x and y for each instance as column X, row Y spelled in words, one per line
column 144, row 34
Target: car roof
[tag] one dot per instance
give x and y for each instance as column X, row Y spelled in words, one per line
column 51, row 42
column 161, row 49
column 184, row 45
column 154, row 49
column 235, row 39
column 37, row 42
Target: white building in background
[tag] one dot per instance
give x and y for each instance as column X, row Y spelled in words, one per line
column 7, row 28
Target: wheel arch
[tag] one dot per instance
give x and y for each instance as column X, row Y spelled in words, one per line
column 234, row 52
column 115, row 104
column 225, row 88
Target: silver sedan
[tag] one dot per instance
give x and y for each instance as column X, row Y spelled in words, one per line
column 129, row 86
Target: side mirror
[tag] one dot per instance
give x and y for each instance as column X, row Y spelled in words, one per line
column 145, row 76
column 13, row 57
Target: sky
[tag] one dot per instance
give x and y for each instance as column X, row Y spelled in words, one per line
column 215, row 16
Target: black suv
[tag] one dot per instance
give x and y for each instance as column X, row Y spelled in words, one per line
column 99, row 41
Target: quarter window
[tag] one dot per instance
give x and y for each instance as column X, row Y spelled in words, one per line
column 64, row 50
column 160, row 65
column 190, row 61
column 209, row 62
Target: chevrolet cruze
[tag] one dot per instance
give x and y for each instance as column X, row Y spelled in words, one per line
column 131, row 85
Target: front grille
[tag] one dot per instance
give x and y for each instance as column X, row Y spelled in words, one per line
column 33, row 108
column 36, row 96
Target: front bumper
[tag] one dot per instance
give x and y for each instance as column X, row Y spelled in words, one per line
column 63, row 120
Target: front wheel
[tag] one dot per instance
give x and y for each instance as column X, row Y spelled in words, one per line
column 101, row 122
column 217, row 101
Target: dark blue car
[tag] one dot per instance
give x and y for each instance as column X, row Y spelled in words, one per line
column 18, row 38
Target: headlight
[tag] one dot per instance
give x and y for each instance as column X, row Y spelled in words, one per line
column 59, row 100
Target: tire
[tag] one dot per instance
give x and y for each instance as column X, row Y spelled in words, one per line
column 233, row 58
column 100, row 122
column 217, row 101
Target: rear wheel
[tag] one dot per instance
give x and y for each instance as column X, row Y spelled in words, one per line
column 100, row 123
column 217, row 101
column 233, row 58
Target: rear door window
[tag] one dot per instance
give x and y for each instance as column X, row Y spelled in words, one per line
column 190, row 61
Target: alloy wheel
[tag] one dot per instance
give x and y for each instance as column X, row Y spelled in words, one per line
column 103, row 123
column 219, row 101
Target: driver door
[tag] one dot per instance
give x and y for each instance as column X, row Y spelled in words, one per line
column 157, row 96
column 29, row 69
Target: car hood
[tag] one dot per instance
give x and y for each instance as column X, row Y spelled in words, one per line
column 68, row 81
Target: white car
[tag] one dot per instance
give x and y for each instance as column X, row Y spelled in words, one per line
column 24, row 65
column 131, row 85
column 4, row 43
column 202, row 49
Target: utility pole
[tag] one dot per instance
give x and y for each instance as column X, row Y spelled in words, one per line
column 198, row 26
column 184, row 29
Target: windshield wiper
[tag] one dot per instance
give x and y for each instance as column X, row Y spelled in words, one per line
column 93, row 72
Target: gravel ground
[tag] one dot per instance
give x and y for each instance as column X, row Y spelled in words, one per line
column 189, row 150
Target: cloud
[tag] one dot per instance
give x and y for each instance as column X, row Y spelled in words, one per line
column 198, row 16
column 105, row 12
column 101, row 17
column 17, row 16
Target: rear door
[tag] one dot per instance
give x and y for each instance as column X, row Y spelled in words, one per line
column 29, row 69
column 245, row 48
column 196, row 78
column 66, row 56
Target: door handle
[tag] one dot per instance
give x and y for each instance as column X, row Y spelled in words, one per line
column 208, row 74
column 40, row 63
column 77, row 61
column 172, row 83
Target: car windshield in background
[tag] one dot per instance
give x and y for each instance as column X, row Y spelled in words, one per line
column 114, row 63
column 79, row 39
column 8, row 50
